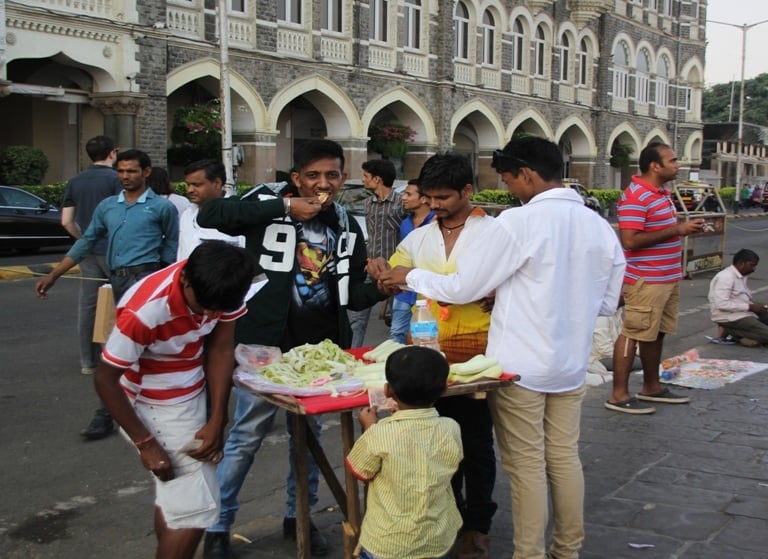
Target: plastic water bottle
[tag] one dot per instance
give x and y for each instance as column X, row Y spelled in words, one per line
column 424, row 327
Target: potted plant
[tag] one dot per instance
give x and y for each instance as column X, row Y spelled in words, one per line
column 196, row 133
column 391, row 140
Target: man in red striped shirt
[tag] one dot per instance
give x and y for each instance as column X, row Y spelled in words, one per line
column 650, row 235
column 174, row 340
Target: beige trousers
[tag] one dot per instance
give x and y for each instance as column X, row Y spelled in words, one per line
column 538, row 435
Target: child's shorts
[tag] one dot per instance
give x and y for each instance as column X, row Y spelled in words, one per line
column 367, row 555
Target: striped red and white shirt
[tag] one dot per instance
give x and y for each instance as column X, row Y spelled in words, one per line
column 644, row 207
column 158, row 340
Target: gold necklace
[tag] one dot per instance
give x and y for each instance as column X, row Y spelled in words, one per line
column 449, row 230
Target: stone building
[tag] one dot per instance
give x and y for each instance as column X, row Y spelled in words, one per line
column 596, row 76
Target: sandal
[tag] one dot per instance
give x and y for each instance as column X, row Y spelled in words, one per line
column 631, row 406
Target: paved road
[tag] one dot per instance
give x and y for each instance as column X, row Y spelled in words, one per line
column 689, row 480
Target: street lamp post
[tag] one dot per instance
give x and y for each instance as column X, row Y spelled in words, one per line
column 744, row 28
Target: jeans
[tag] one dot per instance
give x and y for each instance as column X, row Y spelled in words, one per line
column 538, row 436
column 121, row 284
column 401, row 321
column 92, row 266
column 358, row 322
column 253, row 420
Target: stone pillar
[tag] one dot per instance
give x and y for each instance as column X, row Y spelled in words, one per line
column 259, row 161
column 355, row 154
column 120, row 110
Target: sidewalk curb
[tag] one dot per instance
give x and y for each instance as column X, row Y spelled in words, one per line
column 31, row 271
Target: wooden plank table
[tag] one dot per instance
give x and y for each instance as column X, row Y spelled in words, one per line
column 347, row 496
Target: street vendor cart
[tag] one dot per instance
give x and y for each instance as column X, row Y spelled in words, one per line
column 702, row 251
column 346, row 495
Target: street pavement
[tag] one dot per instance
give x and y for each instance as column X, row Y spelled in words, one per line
column 691, row 480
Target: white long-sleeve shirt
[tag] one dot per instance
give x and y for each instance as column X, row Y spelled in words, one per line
column 556, row 265
column 191, row 234
column 729, row 296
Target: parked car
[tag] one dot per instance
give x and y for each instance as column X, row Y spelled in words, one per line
column 28, row 223
column 352, row 196
column 590, row 201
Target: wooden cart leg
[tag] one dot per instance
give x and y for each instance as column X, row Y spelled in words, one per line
column 301, row 473
column 350, row 528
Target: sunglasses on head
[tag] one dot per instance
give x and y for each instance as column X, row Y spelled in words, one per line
column 504, row 162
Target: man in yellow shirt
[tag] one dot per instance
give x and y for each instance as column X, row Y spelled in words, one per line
column 446, row 182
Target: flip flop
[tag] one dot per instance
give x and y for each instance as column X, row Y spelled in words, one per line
column 631, row 406
column 665, row 396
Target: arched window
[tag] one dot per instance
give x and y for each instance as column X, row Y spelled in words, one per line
column 539, row 44
column 620, row 70
column 642, row 77
column 518, row 41
column 489, row 34
column 662, row 82
column 413, row 24
column 331, row 14
column 379, row 20
column 461, row 19
column 289, row 11
column 583, row 63
column 565, row 58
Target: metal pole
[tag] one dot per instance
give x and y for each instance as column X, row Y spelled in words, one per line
column 730, row 106
column 225, row 97
column 741, row 117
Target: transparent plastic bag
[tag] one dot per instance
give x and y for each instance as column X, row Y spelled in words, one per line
column 258, row 383
column 254, row 357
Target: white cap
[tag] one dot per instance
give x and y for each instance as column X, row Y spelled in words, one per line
column 421, row 302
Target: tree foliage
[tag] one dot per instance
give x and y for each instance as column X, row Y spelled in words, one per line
column 716, row 102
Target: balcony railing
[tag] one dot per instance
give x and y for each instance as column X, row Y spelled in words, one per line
column 294, row 42
column 464, row 73
column 242, row 31
column 335, row 49
column 381, row 57
column 490, row 78
column 566, row 93
column 101, row 8
column 521, row 84
column 184, row 20
column 542, row 88
column 584, row 96
column 415, row 64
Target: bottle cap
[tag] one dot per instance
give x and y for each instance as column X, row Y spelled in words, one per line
column 421, row 302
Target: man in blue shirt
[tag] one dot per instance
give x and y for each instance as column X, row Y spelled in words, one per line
column 415, row 202
column 142, row 232
column 82, row 195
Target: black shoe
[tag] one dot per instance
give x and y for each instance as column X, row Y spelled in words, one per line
column 318, row 545
column 100, row 426
column 216, row 546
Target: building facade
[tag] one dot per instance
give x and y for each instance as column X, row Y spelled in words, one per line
column 598, row 77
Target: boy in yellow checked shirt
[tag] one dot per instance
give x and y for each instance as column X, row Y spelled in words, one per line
column 446, row 182
column 408, row 460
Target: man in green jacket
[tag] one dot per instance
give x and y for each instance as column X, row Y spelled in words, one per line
column 314, row 256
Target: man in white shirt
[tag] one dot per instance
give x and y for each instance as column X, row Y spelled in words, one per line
column 205, row 181
column 555, row 266
column 731, row 304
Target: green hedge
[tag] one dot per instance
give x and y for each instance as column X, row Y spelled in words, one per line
column 606, row 196
column 491, row 196
column 54, row 193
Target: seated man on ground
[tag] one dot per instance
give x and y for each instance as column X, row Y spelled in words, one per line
column 731, row 304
